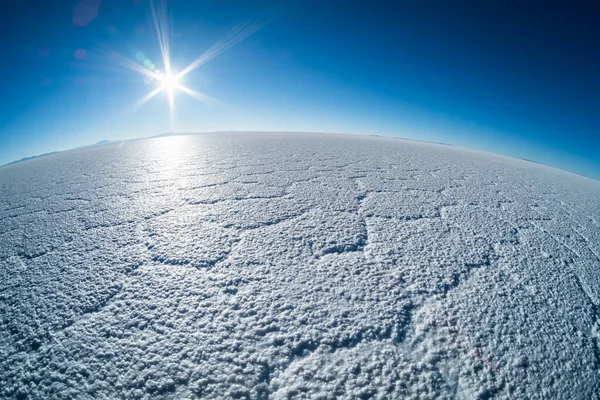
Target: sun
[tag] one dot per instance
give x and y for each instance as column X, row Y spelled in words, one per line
column 168, row 82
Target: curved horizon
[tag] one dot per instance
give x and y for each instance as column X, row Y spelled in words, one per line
column 106, row 142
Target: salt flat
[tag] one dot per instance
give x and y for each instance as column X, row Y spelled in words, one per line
column 297, row 266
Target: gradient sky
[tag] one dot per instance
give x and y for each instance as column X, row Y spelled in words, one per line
column 520, row 78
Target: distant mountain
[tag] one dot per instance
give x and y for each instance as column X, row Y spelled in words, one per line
column 30, row 158
column 100, row 143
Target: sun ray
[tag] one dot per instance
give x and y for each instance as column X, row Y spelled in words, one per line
column 171, row 110
column 236, row 35
column 147, row 97
column 132, row 65
column 197, row 95
column 161, row 26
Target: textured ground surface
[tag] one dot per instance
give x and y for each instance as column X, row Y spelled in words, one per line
column 297, row 266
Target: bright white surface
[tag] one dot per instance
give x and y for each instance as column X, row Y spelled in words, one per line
column 297, row 266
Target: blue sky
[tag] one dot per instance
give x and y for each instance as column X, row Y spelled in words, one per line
column 512, row 77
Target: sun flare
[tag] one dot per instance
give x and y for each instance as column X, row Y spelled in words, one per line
column 166, row 80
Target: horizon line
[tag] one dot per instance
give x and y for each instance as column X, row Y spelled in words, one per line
column 172, row 134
